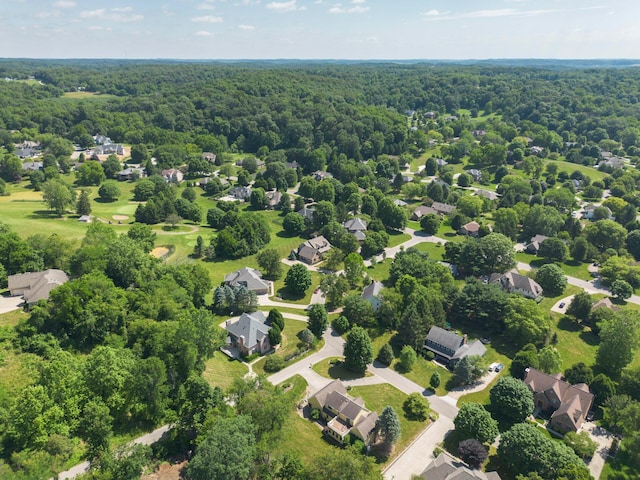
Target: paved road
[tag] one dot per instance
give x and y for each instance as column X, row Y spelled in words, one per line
column 9, row 304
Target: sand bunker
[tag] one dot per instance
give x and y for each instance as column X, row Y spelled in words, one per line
column 120, row 217
column 159, row 252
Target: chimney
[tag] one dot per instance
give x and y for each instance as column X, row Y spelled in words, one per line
column 464, row 339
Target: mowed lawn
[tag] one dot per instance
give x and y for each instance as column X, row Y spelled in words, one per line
column 289, row 344
column 221, row 371
column 377, row 397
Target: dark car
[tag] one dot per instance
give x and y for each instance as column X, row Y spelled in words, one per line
column 498, row 367
column 562, row 304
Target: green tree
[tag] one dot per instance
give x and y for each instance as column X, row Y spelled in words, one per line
column 83, row 205
column 275, row 335
column 527, row 357
column 90, row 173
column 385, row 355
column 468, row 369
column 143, row 190
column 633, row 243
column 618, row 343
column 579, row 373
column 606, row 234
column 474, row 421
column 143, row 235
column 430, row 223
column 525, row 321
column 111, row 167
column 408, row 358
column 553, row 249
column 388, row 426
column 416, row 407
column 551, row 278
column 353, row 269
column 603, row 388
column 434, row 381
column 543, row 220
column 358, row 311
column 269, row 261
column 472, row 452
column 391, row 215
column 549, row 359
column 358, row 351
column 275, row 318
column 580, row 306
column 96, row 426
column 340, row 464
column 226, row 452
column 621, row 289
column 293, row 223
column 58, row 196
column 489, row 254
column 318, row 319
column 580, row 443
column 511, row 399
column 506, row 222
column 334, row 287
column 580, row 249
column 109, row 191
column 298, row 279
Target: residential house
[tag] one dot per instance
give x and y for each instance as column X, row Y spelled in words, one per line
column 344, row 414
column 319, row 175
column 449, row 347
column 371, row 294
column 577, row 184
column 430, row 115
column 409, row 113
column 568, row 404
column 250, row 278
column 173, row 175
column 441, row 163
column 589, row 212
column 131, row 173
column 109, row 149
column 488, row 194
column 306, row 213
column 209, row 157
column 471, row 229
column 450, row 118
column 249, row 334
column 31, row 166
column 399, row 203
column 534, row 245
column 293, row 164
column 312, row 251
column 613, row 162
column 604, row 303
column 35, row 286
column 513, row 282
column 356, row 227
column 101, row 139
column 445, row 467
column 421, row 211
column 274, row 197
column 27, row 152
column 478, row 133
column 443, row 208
column 475, row 174
column 240, row 193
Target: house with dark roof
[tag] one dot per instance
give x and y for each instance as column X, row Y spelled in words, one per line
column 131, row 173
column 513, row 282
column 35, row 286
column 568, row 404
column 344, row 414
column 534, row 245
column 445, row 467
column 249, row 334
column 421, row 211
column 306, row 213
column 356, row 227
column 443, row 208
column 449, row 347
column 312, row 251
column 250, row 278
column 371, row 294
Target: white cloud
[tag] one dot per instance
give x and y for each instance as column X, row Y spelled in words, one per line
column 166, row 10
column 246, row 27
column 435, row 13
column 203, row 33
column 205, row 6
column 358, row 1
column 338, row 8
column 51, row 14
column 98, row 28
column 207, row 19
column 281, row 7
column 65, row 4
column 123, row 15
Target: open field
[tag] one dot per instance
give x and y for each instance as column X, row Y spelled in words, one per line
column 221, row 371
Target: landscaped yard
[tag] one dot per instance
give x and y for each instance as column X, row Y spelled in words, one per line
column 435, row 250
column 333, row 367
column 422, row 371
column 569, row 267
column 221, row 371
column 11, row 319
column 377, row 397
column 286, row 296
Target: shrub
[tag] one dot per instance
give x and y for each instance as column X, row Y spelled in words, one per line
column 274, row 363
column 341, row 324
column 434, row 382
column 416, row 407
column 385, row 355
column 429, row 355
column 408, row 358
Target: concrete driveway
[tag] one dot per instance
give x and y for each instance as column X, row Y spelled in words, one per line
column 603, row 438
column 9, row 304
column 565, row 302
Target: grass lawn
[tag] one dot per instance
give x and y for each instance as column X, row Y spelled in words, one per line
column 289, row 344
column 576, row 343
column 571, row 167
column 422, row 371
column 380, row 271
column 396, row 238
column 377, row 397
column 435, row 250
column 569, row 267
column 16, row 372
column 379, row 339
column 333, row 367
column 11, row 319
column 286, row 296
column 221, row 371
column 481, row 397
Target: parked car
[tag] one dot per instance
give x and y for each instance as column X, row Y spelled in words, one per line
column 498, row 367
column 562, row 304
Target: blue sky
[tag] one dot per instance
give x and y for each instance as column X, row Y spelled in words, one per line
column 320, row 29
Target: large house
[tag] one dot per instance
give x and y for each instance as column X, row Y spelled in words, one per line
column 172, row 175
column 344, row 414
column 568, row 404
column 240, row 192
column 250, row 278
column 445, row 467
column 274, row 197
column 589, row 212
column 443, row 208
column 311, row 251
column 534, row 245
column 471, row 229
column 421, row 211
column 488, row 194
column 512, row 282
column 35, row 286
column 371, row 294
column 450, row 347
column 249, row 334
column 356, row 227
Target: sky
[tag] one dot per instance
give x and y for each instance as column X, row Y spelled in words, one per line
column 320, row 29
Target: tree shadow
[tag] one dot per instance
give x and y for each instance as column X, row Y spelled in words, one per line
column 567, row 324
column 285, row 294
column 590, row 338
column 44, row 214
column 283, row 234
column 105, row 200
column 340, row 372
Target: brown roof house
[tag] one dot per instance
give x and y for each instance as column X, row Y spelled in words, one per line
column 249, row 278
column 445, row 467
column 513, row 282
column 249, row 334
column 421, row 211
column 344, row 414
column 311, row 251
column 450, row 347
column 568, row 404
column 35, row 286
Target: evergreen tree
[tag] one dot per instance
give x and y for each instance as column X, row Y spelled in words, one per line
column 83, row 205
column 388, row 426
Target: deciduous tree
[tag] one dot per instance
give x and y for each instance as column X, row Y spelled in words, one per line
column 358, row 351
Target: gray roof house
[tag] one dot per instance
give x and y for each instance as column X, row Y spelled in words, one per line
column 312, row 250
column 35, row 286
column 475, row 174
column 451, row 347
column 371, row 294
column 443, row 208
column 274, row 197
column 249, row 278
column 344, row 414
column 306, row 213
column 445, row 467
column 512, row 282
column 31, row 166
column 249, row 334
column 488, row 194
column 535, row 243
column 355, row 225
column 240, row 193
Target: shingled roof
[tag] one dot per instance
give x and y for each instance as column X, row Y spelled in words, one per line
column 251, row 326
column 35, row 286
